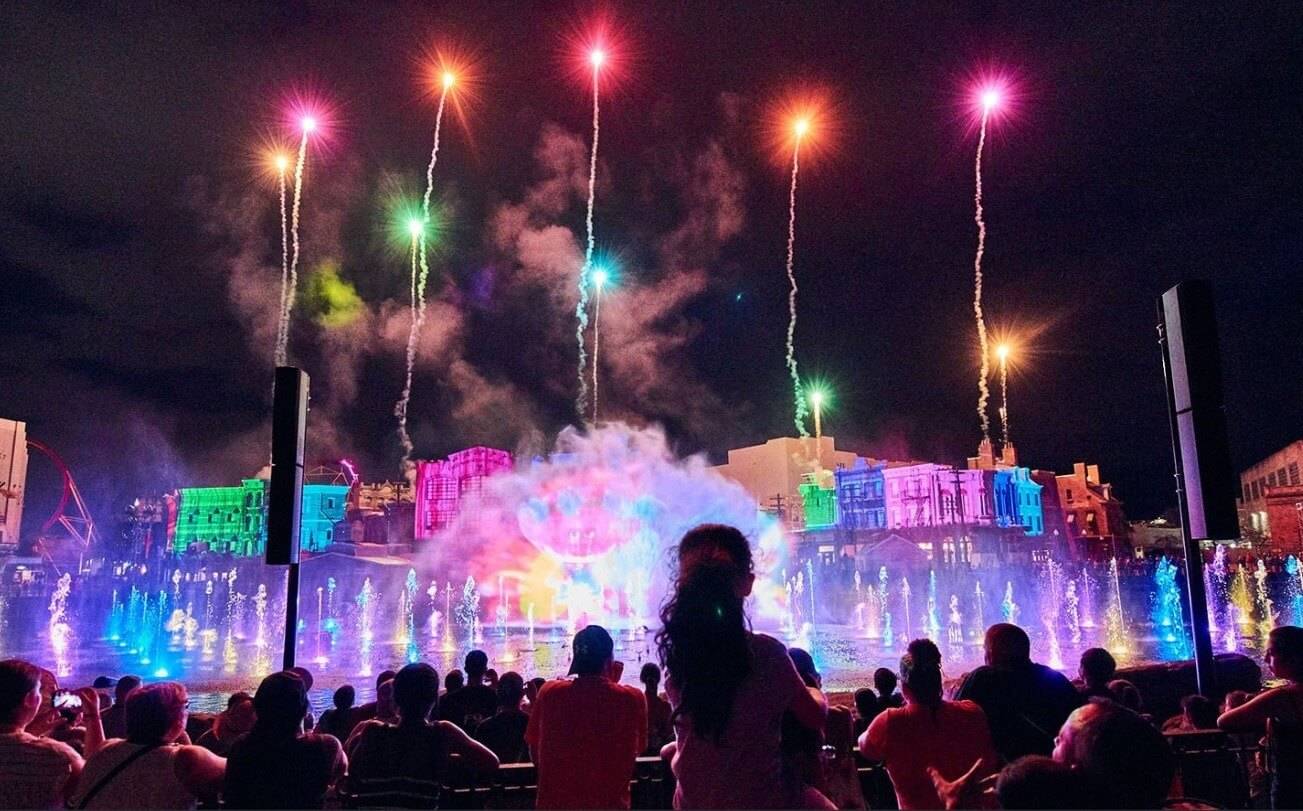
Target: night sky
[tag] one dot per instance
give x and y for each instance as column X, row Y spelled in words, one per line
column 139, row 245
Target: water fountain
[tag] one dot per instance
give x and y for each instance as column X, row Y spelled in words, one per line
column 979, row 610
column 1071, row 606
column 60, row 631
column 1168, row 623
column 1008, row 608
column 904, row 599
column 1051, row 598
column 933, row 629
column 1294, row 589
column 955, row 628
column 1115, row 628
column 1086, row 595
column 1262, row 600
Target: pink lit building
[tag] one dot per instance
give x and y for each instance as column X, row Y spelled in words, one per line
column 443, row 485
column 929, row 495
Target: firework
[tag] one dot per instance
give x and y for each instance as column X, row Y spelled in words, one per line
column 596, row 58
column 600, row 277
column 308, row 124
column 1002, row 354
column 817, row 398
column 448, row 81
column 990, row 99
column 799, row 128
column 282, row 166
column 419, row 229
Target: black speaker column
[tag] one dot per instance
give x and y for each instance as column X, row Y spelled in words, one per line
column 1205, row 480
column 289, row 422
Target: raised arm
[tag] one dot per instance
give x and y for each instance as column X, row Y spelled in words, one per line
column 1252, row 715
column 477, row 757
column 810, row 707
column 200, row 771
column 90, row 715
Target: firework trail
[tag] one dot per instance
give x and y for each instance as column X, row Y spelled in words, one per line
column 581, row 308
column 1004, row 395
column 281, row 166
column 983, row 391
column 798, row 393
column 287, row 302
column 400, row 410
column 420, row 257
column 597, row 336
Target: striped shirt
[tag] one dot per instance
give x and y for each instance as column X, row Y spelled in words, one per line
column 34, row 771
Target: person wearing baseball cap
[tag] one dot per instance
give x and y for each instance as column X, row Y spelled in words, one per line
column 585, row 733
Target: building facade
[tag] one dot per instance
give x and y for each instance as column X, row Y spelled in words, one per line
column 13, row 481
column 233, row 520
column 442, row 486
column 1095, row 521
column 1270, row 489
column 228, row 520
column 861, row 495
column 774, row 472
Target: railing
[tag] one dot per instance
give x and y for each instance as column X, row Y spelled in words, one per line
column 514, row 785
column 1213, row 766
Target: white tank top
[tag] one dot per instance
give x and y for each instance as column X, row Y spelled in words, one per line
column 148, row 782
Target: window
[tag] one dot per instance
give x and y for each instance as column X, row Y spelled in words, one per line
column 1069, row 494
column 1246, row 492
column 1271, row 479
column 330, row 504
column 1280, row 477
column 1293, row 473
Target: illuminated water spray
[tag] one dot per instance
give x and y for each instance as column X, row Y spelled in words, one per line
column 1051, row 599
column 933, row 622
column 1266, row 609
column 308, row 125
column 799, row 128
column 1115, row 628
column 990, row 99
column 59, row 627
column 1008, row 608
column 597, row 57
column 905, row 594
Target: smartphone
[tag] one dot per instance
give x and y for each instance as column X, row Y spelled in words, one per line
column 65, row 700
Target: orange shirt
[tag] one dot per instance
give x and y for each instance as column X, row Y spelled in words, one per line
column 584, row 735
column 910, row 739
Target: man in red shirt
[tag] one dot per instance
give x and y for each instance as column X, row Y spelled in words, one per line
column 586, row 733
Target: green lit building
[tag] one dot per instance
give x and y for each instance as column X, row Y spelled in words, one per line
column 819, row 503
column 224, row 519
column 233, row 520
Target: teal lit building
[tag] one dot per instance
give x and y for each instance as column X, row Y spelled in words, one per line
column 323, row 508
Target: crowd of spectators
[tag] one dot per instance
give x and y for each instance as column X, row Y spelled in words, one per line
column 743, row 723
